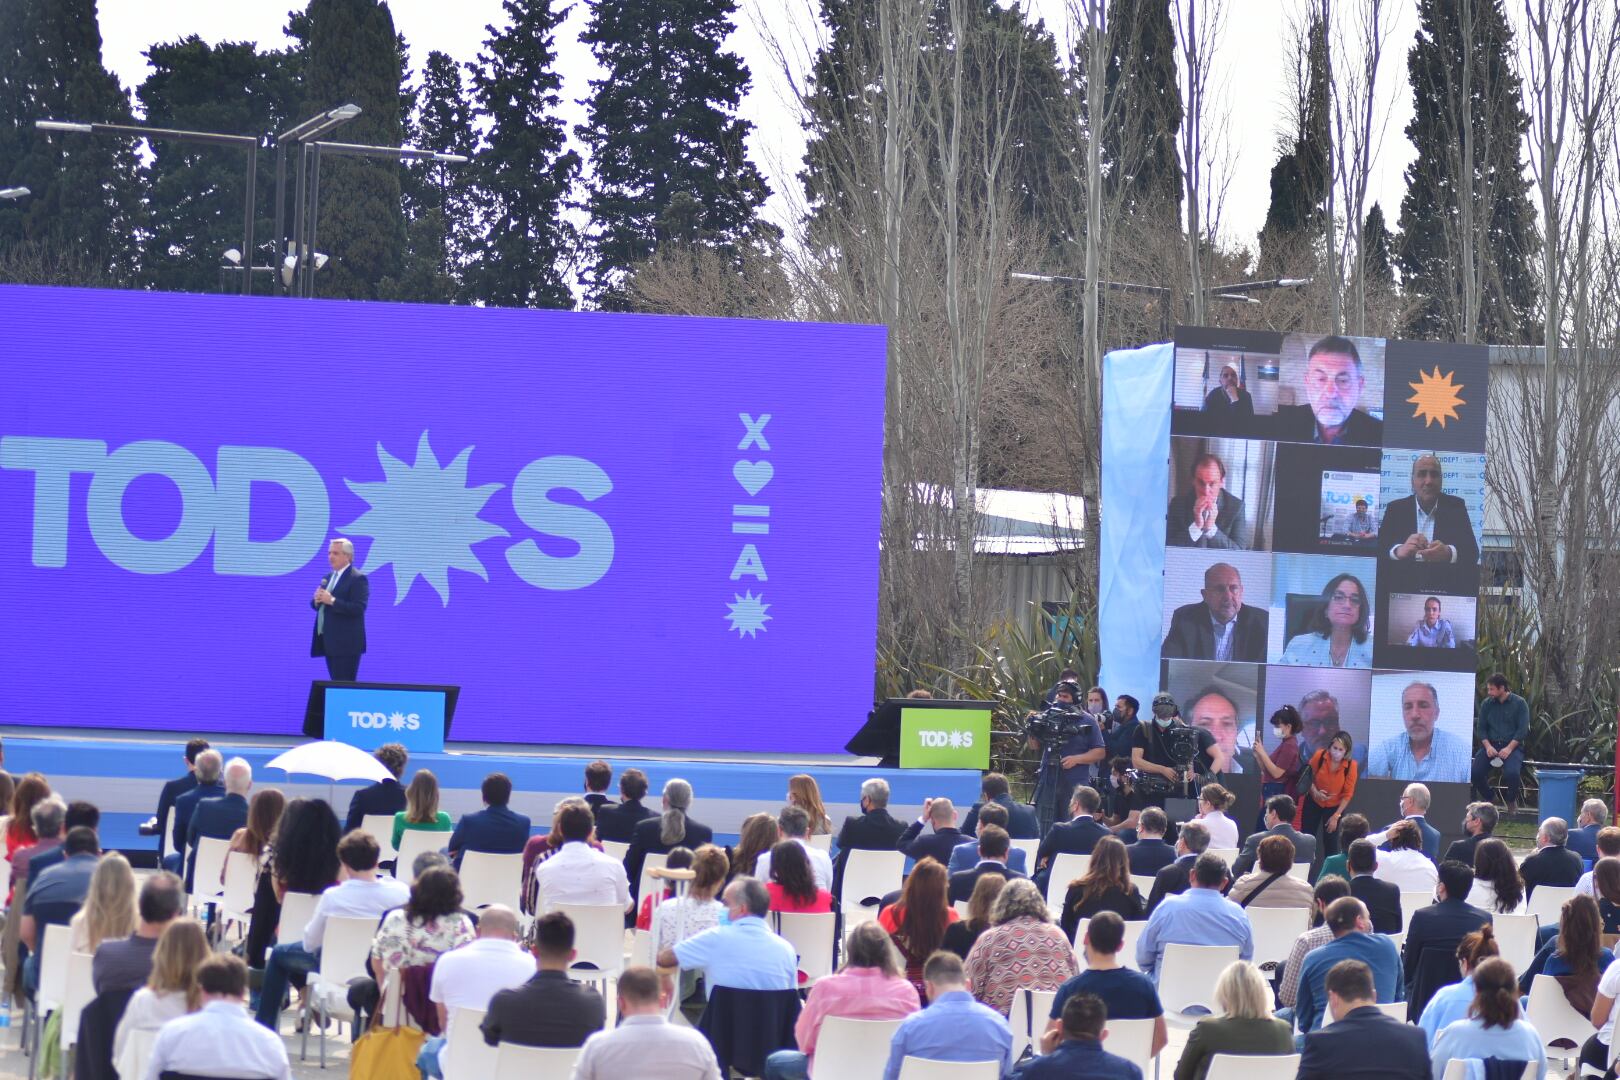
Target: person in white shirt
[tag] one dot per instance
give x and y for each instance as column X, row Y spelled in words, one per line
column 1404, row 863
column 171, row 991
column 466, row 978
column 794, row 824
column 219, row 1039
column 1213, row 803
column 645, row 1045
column 578, row 873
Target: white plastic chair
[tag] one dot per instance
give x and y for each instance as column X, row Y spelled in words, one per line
column 1548, row 902
column 1275, row 930
column 1144, row 884
column 868, row 876
column 514, row 1062
column 616, row 848
column 1027, row 1018
column 1029, row 848
column 1133, row 1041
column 853, row 1049
column 961, row 908
column 916, row 1068
column 812, row 935
column 297, row 908
column 345, row 945
column 137, row 1053
column 55, row 947
column 490, row 879
column 1551, row 1014
column 598, row 935
column 210, row 866
column 1516, row 938
column 241, row 880
column 1411, row 901
column 78, row 992
column 822, row 842
column 1395, row 1010
column 166, row 835
column 466, row 1056
column 1187, row 975
column 412, row 842
column 649, row 884
column 1065, row 868
column 381, row 827
column 1300, row 870
column 1230, row 854
column 5, row 877
column 1253, row 1067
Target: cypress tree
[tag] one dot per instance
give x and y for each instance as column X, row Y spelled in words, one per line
column 1378, row 243
column 1300, row 178
column 439, row 215
column 524, row 172
column 1141, row 163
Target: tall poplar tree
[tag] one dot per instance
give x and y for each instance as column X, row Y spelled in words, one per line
column 1141, row 163
column 1301, row 175
column 439, row 212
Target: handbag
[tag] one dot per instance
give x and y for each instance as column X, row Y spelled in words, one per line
column 387, row 1053
column 1307, row 776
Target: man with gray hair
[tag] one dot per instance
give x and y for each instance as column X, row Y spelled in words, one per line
column 1479, row 823
column 340, row 614
column 1422, row 751
column 744, row 953
column 1553, row 863
column 46, row 818
column 794, row 824
column 874, row 830
column 1583, row 838
column 210, row 763
column 1415, row 808
column 466, row 978
column 218, row 819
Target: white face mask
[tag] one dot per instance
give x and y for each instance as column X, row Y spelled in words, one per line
column 1278, row 734
column 1336, row 753
column 1163, row 721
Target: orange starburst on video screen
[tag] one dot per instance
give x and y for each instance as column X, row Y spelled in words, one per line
column 1437, row 397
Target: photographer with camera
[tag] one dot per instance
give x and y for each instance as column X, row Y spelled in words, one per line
column 1071, row 744
column 1171, row 753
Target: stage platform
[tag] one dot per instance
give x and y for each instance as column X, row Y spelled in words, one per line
column 123, row 777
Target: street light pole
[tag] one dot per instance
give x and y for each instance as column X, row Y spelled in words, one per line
column 1162, row 292
column 300, row 134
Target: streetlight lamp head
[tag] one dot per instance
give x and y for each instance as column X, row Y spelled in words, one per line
column 61, row 125
column 1293, row 282
column 455, row 159
column 344, row 112
column 319, row 259
column 13, row 192
column 233, row 256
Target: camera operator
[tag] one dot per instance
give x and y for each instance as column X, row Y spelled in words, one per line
column 1126, row 800
column 1153, row 753
column 1078, row 754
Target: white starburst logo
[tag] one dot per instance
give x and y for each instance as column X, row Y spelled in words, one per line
column 424, row 520
column 956, row 740
column 747, row 615
column 397, row 721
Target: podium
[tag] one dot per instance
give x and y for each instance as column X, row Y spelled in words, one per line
column 368, row 714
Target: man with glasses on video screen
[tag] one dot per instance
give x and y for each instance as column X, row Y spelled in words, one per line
column 1333, row 386
column 1428, row 525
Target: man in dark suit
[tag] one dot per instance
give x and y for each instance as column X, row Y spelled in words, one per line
column 494, row 829
column 939, row 816
column 209, row 765
column 385, row 796
column 1229, row 408
column 598, row 775
column 1208, row 516
column 1362, row 1043
column 993, row 847
column 1150, row 853
column 218, row 819
column 1219, row 627
column 874, row 830
column 1479, row 824
column 1279, row 822
column 340, row 614
column 1022, row 824
column 1445, row 922
column 1583, row 838
column 1414, row 807
column 1077, row 836
column 176, row 788
column 1333, row 386
column 1174, row 879
column 618, row 821
column 1553, row 863
column 1381, row 898
column 1428, row 525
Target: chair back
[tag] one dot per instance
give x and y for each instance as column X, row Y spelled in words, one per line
column 1065, row 868
column 345, row 945
column 381, row 828
column 1027, row 1018
column 598, row 935
column 1395, row 1010
column 1253, row 1067
column 466, row 1056
column 1411, row 900
column 868, row 876
column 1127, row 948
column 1028, row 847
column 514, row 1062
column 1131, row 1040
column 55, row 949
column 1144, row 884
column 1187, row 975
column 813, row 936
column 916, row 1068
column 5, row 878
column 616, row 848
column 412, row 842
column 854, row 1049
column 297, row 908
column 1300, row 870
column 1548, row 902
column 649, row 885
column 78, row 991
column 1230, row 854
column 821, row 841
column 209, row 869
column 1275, row 930
column 241, row 880
column 490, row 879
column 1554, row 1019
column 1516, row 938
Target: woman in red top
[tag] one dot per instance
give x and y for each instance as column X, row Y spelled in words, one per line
column 918, row 921
column 31, row 790
column 1280, row 769
column 793, row 884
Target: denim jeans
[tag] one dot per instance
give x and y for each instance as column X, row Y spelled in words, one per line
column 280, row 963
column 427, row 1059
column 787, row 1065
column 1510, row 774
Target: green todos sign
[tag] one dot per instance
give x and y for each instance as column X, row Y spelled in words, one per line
column 945, row 739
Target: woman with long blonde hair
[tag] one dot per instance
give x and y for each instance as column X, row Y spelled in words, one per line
column 170, row 991
column 421, row 807
column 264, row 814
column 109, row 907
column 805, row 793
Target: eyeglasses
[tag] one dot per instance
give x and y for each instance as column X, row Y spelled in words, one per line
column 1342, row 382
column 1340, row 597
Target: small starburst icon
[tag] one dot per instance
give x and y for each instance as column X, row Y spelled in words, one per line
column 1437, row 397
column 424, row 520
column 747, row 615
column 397, row 721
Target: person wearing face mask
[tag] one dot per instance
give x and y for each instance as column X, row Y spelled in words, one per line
column 1280, row 768
column 1151, row 752
column 1332, row 784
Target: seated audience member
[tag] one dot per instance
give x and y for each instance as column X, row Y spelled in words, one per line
column 1351, row 829
column 1328, row 889
column 209, row 765
column 1191, row 842
column 1415, row 801
column 30, row 790
column 385, row 797
column 1127, row 800
column 1382, row 899
column 617, row 821
column 1493, row 1028
column 940, row 839
column 1270, row 884
column 78, row 813
column 218, row 819
column 966, row 854
column 1105, row 886
column 1074, row 1049
column 805, row 793
column 1022, row 950
column 578, row 873
column 170, row 992
column 495, row 829
column 255, row 835
column 49, row 818
column 541, row 847
column 108, row 913
column 757, row 834
column 1403, row 863
column 1576, row 957
column 645, row 1045
column 922, row 917
column 362, row 894
column 699, row 910
column 1213, row 803
column 127, row 964
column 430, row 924
column 468, row 976
column 1361, row 1043
column 1127, row 994
column 303, row 859
column 954, row 1027
column 874, row 830
column 598, row 775
column 421, row 813
column 678, row 859
column 1497, row 888
column 993, row 847
column 1077, row 836
column 869, row 986
column 1606, row 889
column 176, row 788
column 57, row 896
column 1553, row 863
column 1608, row 846
column 1479, row 823
column 671, row 829
column 1243, row 1023
column 550, row 1009
column 792, row 884
column 1447, row 920
column 1353, row 939
column 793, row 823
column 1279, row 821
column 960, row 935
column 1150, row 853
column 219, row 1031
column 1583, row 837
column 743, row 953
column 1022, row 823
column 1453, row 1002
column 1199, row 916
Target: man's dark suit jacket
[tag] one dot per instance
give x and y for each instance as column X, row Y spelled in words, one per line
column 1171, row 881
column 646, row 839
column 1077, row 837
column 1583, row 841
column 1304, row 847
column 963, row 881
column 217, row 819
column 549, row 1010
column 494, row 829
column 1022, row 824
column 1192, row 638
column 1451, row 526
column 183, row 807
column 1297, row 423
column 1383, row 900
column 1150, row 856
column 1552, row 865
column 1231, row 527
column 172, row 791
column 1440, row 925
column 1431, row 838
column 383, row 797
column 1463, row 850
column 596, row 800
column 1366, row 1045
column 937, row 846
column 875, row 830
column 344, row 630
column 618, row 821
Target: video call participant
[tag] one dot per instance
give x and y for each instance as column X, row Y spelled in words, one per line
column 1360, row 526
column 1339, row 632
column 1333, row 385
column 1319, row 712
column 1220, row 627
column 1208, row 516
column 1151, row 754
column 1432, row 632
column 1428, row 525
column 1229, row 406
column 1217, row 714
column 1422, row 752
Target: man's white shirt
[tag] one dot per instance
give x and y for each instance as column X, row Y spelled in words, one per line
column 579, row 874
column 354, row 898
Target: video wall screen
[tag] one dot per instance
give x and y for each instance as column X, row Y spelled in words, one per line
column 1323, row 530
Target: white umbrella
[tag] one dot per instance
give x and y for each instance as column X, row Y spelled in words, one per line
column 333, row 760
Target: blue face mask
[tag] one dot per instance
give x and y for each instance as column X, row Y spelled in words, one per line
column 725, row 916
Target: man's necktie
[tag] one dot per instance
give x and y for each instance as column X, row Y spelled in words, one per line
column 320, row 614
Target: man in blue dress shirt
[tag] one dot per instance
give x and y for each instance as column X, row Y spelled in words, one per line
column 1353, row 939
column 743, row 953
column 1199, row 916
column 954, row 1027
column 1080, row 1054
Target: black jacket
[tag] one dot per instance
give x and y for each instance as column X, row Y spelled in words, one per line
column 1451, row 526
column 1077, row 837
column 1022, row 824
column 1552, row 865
column 1463, row 850
column 1366, row 1045
column 343, row 629
column 1297, row 423
column 1304, row 847
column 963, row 881
column 1440, row 925
column 875, row 830
column 172, row 791
column 646, row 840
column 1171, row 881
column 1383, row 902
column 1150, row 856
column 549, row 1010
column 938, row 845
column 618, row 821
column 383, row 797
column 1191, row 636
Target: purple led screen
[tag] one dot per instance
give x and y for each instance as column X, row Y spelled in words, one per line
column 609, row 530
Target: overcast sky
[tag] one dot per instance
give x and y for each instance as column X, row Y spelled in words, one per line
column 1249, row 70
